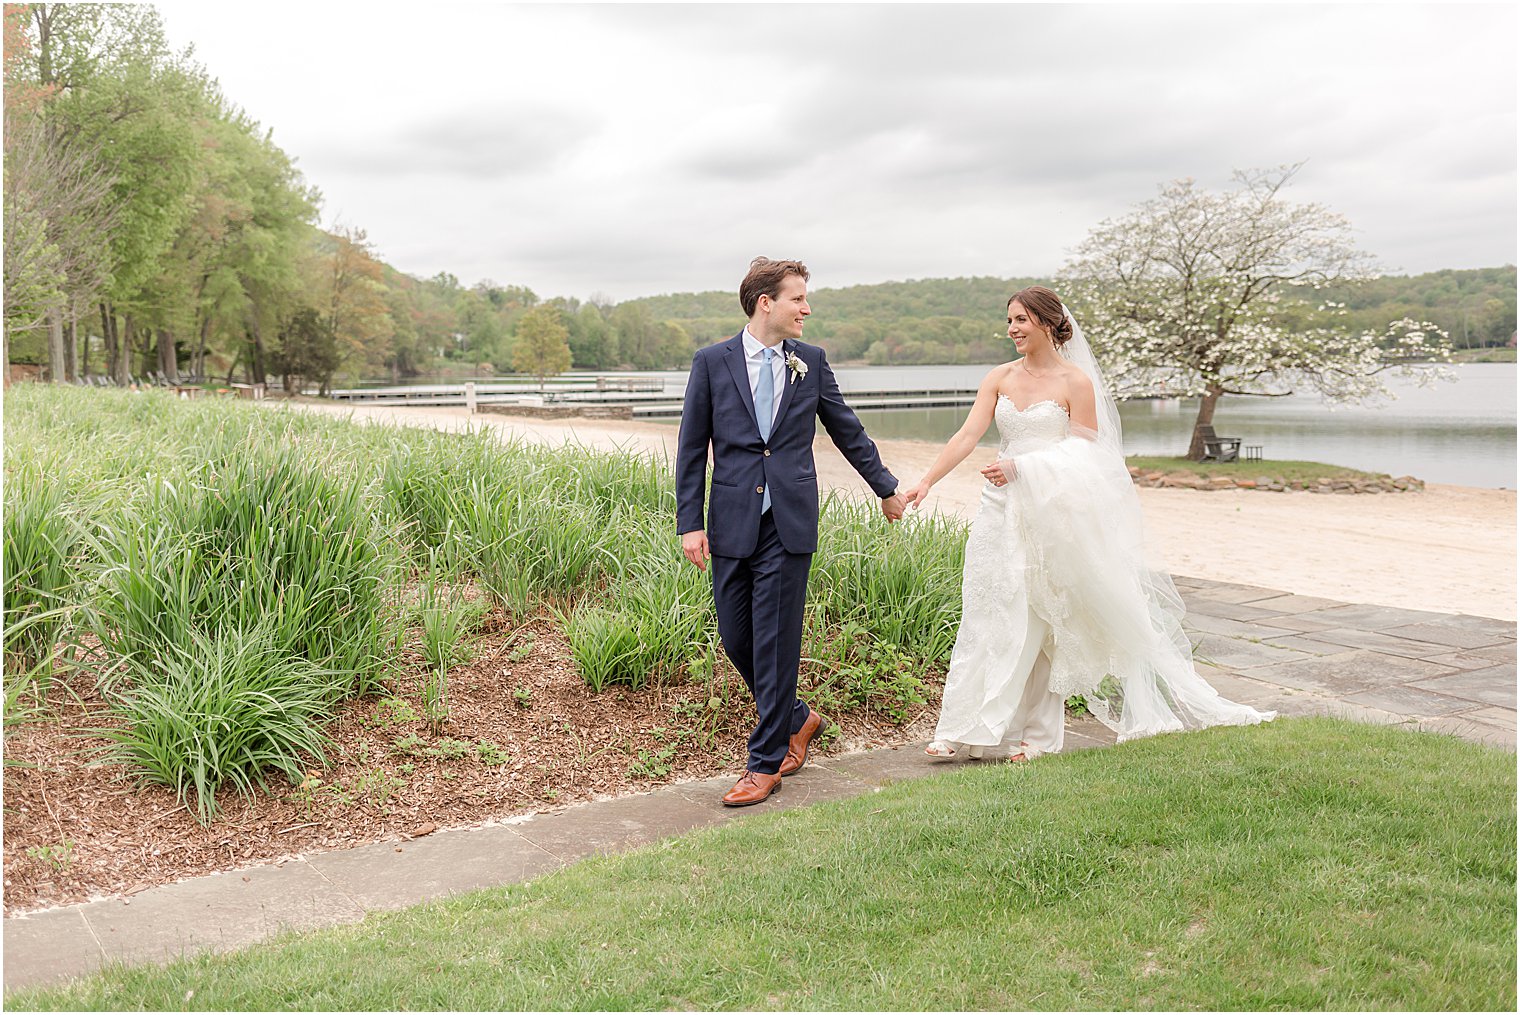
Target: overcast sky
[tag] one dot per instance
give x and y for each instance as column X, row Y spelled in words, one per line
column 633, row 150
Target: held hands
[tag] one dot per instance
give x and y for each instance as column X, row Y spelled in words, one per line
column 918, row 495
column 694, row 545
column 892, row 507
column 1000, row 473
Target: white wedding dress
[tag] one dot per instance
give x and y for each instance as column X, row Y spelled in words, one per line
column 1057, row 599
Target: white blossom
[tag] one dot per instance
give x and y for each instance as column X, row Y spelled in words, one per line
column 1198, row 294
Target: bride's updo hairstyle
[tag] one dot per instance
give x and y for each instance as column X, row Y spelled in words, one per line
column 1046, row 308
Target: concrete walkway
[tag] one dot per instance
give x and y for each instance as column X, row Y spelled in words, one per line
column 1301, row 656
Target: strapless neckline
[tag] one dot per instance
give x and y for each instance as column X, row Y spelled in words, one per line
column 1033, row 405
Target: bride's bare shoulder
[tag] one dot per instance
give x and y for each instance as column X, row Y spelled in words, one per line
column 1077, row 379
column 996, row 375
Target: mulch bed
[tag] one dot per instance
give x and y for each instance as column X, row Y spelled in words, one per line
column 77, row 830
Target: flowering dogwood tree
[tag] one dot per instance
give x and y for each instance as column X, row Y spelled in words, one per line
column 1212, row 294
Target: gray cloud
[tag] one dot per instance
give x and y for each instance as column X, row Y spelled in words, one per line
column 482, row 144
column 638, row 149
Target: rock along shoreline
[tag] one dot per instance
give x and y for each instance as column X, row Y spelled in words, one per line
column 1276, row 484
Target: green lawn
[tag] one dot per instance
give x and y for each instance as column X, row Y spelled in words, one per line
column 1306, row 864
column 1290, row 471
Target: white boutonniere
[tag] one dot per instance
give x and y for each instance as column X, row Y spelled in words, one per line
column 796, row 366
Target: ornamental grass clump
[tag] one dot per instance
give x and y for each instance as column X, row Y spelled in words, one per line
column 655, row 616
column 276, row 539
column 426, row 481
column 221, row 709
column 899, row 584
column 42, row 542
column 617, row 484
column 534, row 525
column 531, row 544
column 235, row 613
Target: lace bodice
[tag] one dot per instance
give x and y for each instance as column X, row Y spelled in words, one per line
column 1031, row 429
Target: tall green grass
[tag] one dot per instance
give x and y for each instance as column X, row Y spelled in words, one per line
column 214, row 534
column 899, row 584
column 655, row 619
column 278, row 541
column 220, row 709
column 40, row 560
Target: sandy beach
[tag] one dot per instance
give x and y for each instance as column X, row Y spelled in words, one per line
column 1448, row 549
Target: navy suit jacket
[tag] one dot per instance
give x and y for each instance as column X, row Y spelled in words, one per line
column 720, row 411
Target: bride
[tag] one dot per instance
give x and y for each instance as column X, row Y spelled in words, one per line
column 1057, row 598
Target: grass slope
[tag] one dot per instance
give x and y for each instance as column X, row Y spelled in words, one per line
column 1307, row 864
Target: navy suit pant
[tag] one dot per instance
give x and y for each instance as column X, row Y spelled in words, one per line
column 760, row 601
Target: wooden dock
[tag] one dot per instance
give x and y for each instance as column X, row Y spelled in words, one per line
column 645, row 395
column 926, row 399
column 600, row 390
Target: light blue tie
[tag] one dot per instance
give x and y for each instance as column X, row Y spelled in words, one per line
column 765, row 394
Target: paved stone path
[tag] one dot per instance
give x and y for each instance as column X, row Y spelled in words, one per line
column 1299, row 655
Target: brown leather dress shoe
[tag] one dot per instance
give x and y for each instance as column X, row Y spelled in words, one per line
column 797, row 746
column 751, row 788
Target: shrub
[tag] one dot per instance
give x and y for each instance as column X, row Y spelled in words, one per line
column 221, row 709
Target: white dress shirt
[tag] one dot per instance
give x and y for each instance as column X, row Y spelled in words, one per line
column 754, row 361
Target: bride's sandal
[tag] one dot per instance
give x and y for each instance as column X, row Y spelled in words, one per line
column 1024, row 753
column 940, row 751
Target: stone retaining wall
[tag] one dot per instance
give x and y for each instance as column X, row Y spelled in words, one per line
column 1191, row 481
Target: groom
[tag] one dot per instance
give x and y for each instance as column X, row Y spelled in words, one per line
column 754, row 398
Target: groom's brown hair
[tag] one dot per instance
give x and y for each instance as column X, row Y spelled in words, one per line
column 764, row 279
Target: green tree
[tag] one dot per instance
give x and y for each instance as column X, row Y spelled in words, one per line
column 480, row 322
column 305, row 350
column 230, row 272
column 593, row 345
column 113, row 85
column 354, row 293
column 406, row 349
column 639, row 336
column 59, row 216
column 543, row 344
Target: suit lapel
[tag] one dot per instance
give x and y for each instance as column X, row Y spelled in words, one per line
column 734, row 356
column 788, row 385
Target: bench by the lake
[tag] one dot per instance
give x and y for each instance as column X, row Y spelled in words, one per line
column 1219, row 449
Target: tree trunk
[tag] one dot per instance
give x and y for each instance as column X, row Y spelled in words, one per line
column 71, row 351
column 57, row 372
column 168, row 355
column 1205, row 418
column 84, row 355
column 236, row 361
column 198, row 361
column 108, row 338
column 256, row 338
column 42, row 16
column 123, row 372
column 147, row 353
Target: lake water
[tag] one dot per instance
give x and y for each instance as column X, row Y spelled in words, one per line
column 1460, row 432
